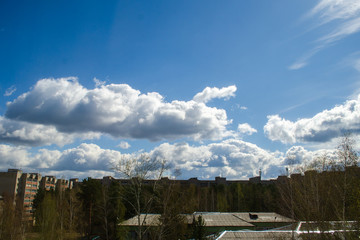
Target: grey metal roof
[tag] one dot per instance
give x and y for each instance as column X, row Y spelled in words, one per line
column 216, row 219
column 222, row 219
column 228, row 235
column 145, row 220
column 254, row 217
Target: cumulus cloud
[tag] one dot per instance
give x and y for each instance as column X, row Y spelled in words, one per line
column 10, row 91
column 118, row 110
column 322, row 127
column 13, row 157
column 23, row 133
column 297, row 157
column 210, row 93
column 231, row 158
column 246, row 129
column 345, row 16
column 85, row 157
column 124, row 145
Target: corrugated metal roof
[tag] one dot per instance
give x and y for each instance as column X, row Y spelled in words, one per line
column 254, row 217
column 222, row 219
column 145, row 219
column 228, row 235
column 216, row 219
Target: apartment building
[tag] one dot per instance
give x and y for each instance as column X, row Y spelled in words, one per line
column 62, row 184
column 29, row 184
column 48, row 183
column 22, row 187
column 9, row 183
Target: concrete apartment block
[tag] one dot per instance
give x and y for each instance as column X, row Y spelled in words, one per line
column 9, row 182
column 29, row 184
column 48, row 183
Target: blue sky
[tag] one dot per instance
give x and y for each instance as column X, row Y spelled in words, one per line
column 213, row 87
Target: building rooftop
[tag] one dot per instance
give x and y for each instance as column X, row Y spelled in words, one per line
column 304, row 230
column 145, row 219
column 256, row 235
column 253, row 217
column 220, row 220
column 216, row 219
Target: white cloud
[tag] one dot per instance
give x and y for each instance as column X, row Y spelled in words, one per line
column 10, row 91
column 322, row 127
column 13, row 157
column 85, row 157
column 298, row 64
column 98, row 83
column 119, row 110
column 297, row 158
column 343, row 14
column 330, row 10
column 124, row 145
column 23, row 133
column 234, row 159
column 230, row 158
column 210, row 93
column 245, row 128
column 348, row 28
column 356, row 64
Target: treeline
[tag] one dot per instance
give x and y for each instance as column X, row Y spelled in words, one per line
column 332, row 195
column 94, row 209
column 327, row 189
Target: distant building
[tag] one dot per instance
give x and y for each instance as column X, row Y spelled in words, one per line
column 48, row 183
column 29, row 184
column 9, row 182
column 217, row 222
column 62, row 184
column 299, row 231
column 22, row 188
column 74, row 182
column 191, row 181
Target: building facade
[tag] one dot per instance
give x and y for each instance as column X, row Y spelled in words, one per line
column 29, row 184
column 9, row 183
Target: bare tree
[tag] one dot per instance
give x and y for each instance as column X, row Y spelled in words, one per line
column 347, row 157
column 325, row 190
column 138, row 169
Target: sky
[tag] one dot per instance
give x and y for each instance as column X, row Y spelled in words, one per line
column 214, row 88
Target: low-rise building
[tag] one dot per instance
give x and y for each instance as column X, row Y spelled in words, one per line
column 217, row 222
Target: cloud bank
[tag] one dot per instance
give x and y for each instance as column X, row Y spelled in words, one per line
column 120, row 111
column 30, row 134
column 232, row 158
column 323, row 127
